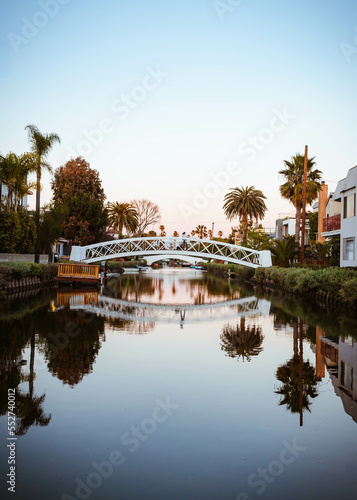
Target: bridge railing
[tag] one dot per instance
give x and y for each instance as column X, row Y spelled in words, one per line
column 202, row 248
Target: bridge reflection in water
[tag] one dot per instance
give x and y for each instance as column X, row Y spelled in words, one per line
column 111, row 308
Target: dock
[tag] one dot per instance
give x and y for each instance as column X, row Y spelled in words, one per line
column 78, row 273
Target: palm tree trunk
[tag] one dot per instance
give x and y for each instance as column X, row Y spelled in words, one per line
column 245, row 226
column 297, row 224
column 37, row 215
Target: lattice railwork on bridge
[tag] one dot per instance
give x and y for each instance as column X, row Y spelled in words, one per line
column 178, row 247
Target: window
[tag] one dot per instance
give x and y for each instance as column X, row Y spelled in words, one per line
column 348, row 249
column 349, row 206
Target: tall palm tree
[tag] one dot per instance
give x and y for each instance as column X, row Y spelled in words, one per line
column 41, row 145
column 246, row 203
column 122, row 215
column 292, row 189
column 201, row 231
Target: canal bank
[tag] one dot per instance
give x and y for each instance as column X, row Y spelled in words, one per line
column 331, row 286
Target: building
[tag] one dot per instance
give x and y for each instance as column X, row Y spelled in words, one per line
column 285, row 227
column 337, row 213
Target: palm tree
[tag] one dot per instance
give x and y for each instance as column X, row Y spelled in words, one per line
column 13, row 174
column 241, row 341
column 292, row 189
column 41, row 145
column 246, row 203
column 122, row 215
column 201, row 231
column 284, row 251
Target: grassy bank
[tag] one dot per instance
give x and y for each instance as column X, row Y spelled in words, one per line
column 328, row 284
column 21, row 275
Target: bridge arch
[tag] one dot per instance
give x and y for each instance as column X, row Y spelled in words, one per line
column 162, row 247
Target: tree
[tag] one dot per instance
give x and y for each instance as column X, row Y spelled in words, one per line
column 148, row 214
column 51, row 226
column 257, row 239
column 220, row 234
column 162, row 230
column 77, row 189
column 122, row 215
column 245, row 203
column 201, row 231
column 175, row 234
column 41, row 145
column 13, row 174
column 242, row 341
column 284, row 251
column 292, row 189
column 313, row 224
column 17, row 231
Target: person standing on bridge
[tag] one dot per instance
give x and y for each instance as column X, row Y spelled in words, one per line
column 184, row 241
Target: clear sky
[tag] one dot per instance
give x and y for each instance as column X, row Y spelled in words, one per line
column 163, row 96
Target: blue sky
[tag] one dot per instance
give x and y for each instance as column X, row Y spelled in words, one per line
column 225, row 72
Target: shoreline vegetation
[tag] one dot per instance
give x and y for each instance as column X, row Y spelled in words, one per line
column 332, row 286
column 20, row 276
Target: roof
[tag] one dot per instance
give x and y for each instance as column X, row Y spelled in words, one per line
column 349, row 182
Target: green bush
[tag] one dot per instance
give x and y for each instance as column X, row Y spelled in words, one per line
column 348, row 292
column 20, row 270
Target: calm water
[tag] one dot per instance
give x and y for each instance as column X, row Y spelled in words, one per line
column 174, row 384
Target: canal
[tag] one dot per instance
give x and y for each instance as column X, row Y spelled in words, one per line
column 177, row 384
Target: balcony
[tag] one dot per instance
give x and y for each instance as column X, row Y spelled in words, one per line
column 332, row 223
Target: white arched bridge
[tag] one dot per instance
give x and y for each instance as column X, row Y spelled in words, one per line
column 159, row 248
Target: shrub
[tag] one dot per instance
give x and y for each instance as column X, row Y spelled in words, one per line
column 348, row 292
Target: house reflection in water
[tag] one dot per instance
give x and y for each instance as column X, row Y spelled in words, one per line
column 339, row 355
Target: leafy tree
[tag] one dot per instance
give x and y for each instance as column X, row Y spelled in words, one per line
column 283, row 251
column 77, row 189
column 292, row 189
column 41, row 145
column 175, row 234
column 122, row 215
column 220, row 234
column 257, row 239
column 148, row 214
column 152, row 233
column 51, row 227
column 313, row 224
column 246, row 203
column 17, row 231
column 162, row 230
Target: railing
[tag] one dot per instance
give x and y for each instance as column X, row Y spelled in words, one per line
column 78, row 271
column 331, row 223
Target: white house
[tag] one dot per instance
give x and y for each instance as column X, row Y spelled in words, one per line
column 341, row 218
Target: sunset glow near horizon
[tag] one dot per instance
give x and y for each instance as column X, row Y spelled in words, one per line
column 177, row 102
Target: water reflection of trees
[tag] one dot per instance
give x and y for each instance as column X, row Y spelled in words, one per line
column 242, row 341
column 298, row 377
column 72, row 342
column 17, row 334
